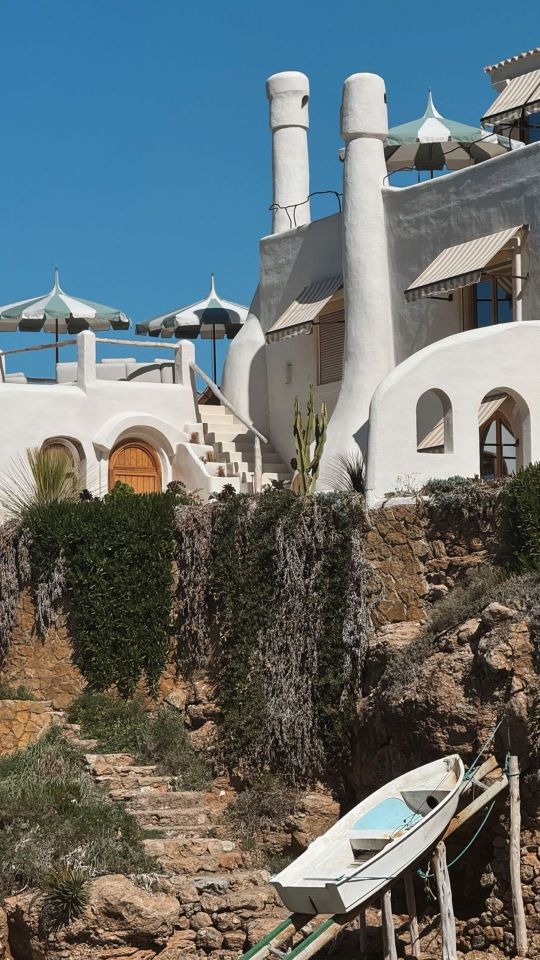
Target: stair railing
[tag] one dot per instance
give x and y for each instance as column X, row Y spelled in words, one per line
column 258, row 437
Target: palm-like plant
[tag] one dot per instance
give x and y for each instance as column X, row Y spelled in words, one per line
column 42, row 476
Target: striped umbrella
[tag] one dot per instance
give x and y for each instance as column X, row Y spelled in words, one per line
column 432, row 143
column 58, row 312
column 211, row 319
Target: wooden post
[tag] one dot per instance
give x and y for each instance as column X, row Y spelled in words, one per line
column 446, row 907
column 520, row 928
column 362, row 937
column 413, row 916
column 388, row 930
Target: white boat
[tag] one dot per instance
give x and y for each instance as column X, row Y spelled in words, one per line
column 375, row 842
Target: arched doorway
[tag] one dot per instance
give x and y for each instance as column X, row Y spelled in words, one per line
column 135, row 463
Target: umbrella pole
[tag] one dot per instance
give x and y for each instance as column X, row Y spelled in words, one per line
column 56, row 350
column 214, row 358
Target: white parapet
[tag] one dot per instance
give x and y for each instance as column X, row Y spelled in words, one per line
column 369, row 342
column 288, row 94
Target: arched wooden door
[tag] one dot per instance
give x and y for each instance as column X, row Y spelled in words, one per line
column 136, row 464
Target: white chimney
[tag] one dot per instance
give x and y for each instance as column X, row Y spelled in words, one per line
column 369, row 342
column 288, row 94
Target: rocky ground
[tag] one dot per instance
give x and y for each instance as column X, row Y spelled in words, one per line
column 211, row 899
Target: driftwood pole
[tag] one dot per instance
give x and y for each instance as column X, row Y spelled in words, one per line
column 413, row 916
column 388, row 929
column 363, row 934
column 446, row 907
column 515, row 859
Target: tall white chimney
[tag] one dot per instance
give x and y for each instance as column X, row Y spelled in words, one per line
column 369, row 340
column 288, row 94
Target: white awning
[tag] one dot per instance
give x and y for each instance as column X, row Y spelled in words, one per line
column 459, row 266
column 299, row 316
column 435, row 437
column 520, row 96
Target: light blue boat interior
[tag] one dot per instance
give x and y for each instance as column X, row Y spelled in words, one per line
column 391, row 814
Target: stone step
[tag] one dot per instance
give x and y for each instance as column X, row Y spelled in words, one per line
column 174, row 817
column 191, row 855
column 187, row 800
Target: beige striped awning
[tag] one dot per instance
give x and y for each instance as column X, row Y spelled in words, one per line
column 300, row 314
column 459, row 266
column 520, row 96
column 435, row 437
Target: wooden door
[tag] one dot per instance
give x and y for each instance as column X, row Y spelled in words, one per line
column 136, row 464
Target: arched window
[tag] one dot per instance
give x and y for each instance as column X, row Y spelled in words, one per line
column 434, row 433
column 498, row 448
column 69, row 448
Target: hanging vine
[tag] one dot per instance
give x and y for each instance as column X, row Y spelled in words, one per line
column 14, row 575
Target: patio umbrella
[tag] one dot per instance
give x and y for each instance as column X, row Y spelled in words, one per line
column 58, row 312
column 432, row 142
column 211, row 319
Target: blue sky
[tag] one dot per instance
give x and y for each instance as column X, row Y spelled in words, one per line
column 136, row 149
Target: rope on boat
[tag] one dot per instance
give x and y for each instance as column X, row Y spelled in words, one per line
column 427, row 875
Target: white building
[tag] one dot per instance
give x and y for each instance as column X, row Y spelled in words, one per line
column 396, row 309
column 414, row 312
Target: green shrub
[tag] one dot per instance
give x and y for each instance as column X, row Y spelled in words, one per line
column 15, row 693
column 467, row 599
column 117, row 724
column 68, row 895
column 167, row 744
column 521, row 519
column 158, row 738
column 53, row 813
column 403, row 669
column 471, row 499
column 261, row 808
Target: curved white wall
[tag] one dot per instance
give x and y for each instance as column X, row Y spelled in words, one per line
column 466, row 367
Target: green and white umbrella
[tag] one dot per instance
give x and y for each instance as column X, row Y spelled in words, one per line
column 211, row 319
column 432, row 142
column 59, row 312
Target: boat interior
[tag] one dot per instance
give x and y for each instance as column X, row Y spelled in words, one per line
column 375, row 823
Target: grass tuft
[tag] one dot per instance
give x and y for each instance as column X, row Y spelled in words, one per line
column 53, row 814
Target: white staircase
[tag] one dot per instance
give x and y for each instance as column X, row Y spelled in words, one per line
column 233, row 446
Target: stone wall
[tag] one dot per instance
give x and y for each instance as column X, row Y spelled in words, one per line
column 417, row 558
column 414, row 559
column 44, row 666
column 22, row 722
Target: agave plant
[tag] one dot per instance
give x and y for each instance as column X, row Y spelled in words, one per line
column 44, row 475
column 349, row 472
column 68, row 895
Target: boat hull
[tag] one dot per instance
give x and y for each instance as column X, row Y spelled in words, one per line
column 303, row 890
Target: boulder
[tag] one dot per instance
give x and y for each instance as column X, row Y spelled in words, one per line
column 119, row 907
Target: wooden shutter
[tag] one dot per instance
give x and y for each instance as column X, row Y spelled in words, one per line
column 331, row 340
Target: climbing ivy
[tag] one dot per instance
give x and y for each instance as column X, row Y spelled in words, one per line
column 116, row 558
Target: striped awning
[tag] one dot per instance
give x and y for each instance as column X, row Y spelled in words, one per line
column 520, row 96
column 459, row 266
column 299, row 316
column 435, row 437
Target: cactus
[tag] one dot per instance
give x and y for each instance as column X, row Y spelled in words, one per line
column 309, row 440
